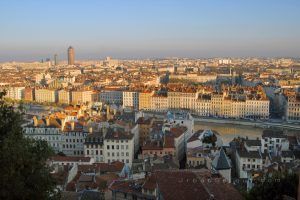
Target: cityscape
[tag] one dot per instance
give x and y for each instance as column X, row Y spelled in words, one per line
column 155, row 119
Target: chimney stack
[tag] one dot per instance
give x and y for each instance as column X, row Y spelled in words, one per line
column 35, row 121
column 72, row 125
column 104, row 130
column 47, row 121
column 63, row 122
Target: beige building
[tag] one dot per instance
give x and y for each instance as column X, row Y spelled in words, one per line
column 46, row 95
column 292, row 111
column 238, row 103
column 64, row 96
column 144, row 100
column 159, row 102
column 84, row 96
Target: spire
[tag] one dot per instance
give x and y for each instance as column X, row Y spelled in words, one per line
column 221, row 161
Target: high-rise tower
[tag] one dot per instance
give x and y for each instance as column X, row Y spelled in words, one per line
column 55, row 60
column 71, row 56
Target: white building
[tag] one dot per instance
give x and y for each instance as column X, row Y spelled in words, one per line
column 93, row 147
column 274, row 141
column 248, row 161
column 222, row 165
column 131, row 99
column 71, row 160
column 111, row 96
column 118, row 146
column 50, row 134
column 16, row 93
column 62, row 136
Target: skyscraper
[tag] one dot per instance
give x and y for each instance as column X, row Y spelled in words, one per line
column 71, row 56
column 55, row 60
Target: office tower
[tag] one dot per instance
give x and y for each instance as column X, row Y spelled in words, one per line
column 55, row 60
column 71, row 56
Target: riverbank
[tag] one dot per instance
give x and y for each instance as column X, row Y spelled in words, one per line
column 260, row 124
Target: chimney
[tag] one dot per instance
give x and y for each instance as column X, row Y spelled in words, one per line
column 104, row 130
column 47, row 121
column 35, row 121
column 63, row 123
column 72, row 125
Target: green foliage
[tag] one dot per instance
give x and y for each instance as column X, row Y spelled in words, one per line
column 210, row 140
column 275, row 187
column 24, row 173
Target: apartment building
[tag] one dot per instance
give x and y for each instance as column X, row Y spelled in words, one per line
column 131, row 99
column 118, row 146
column 292, row 108
column 16, row 93
column 62, row 134
column 159, row 102
column 144, row 100
column 111, row 96
column 244, row 103
column 64, row 96
column 274, row 142
column 46, row 95
column 29, row 94
column 93, row 147
column 83, row 96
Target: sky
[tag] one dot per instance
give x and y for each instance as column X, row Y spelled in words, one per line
column 32, row 30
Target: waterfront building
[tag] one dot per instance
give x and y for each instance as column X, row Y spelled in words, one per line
column 46, row 95
column 64, row 96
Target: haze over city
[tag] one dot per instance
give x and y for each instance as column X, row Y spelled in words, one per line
column 150, row 99
column 31, row 30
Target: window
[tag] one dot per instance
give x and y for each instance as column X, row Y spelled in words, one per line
column 126, row 146
column 112, row 147
column 96, row 152
column 87, row 152
column 107, row 146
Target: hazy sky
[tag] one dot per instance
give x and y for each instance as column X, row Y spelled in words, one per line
column 36, row 29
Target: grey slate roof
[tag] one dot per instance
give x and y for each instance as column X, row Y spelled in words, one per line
column 273, row 134
column 221, row 161
column 253, row 143
column 248, row 154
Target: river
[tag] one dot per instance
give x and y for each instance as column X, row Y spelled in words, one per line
column 230, row 131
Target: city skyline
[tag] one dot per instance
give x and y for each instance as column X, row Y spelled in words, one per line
column 133, row 29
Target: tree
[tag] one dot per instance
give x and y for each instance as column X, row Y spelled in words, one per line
column 275, row 186
column 24, row 173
